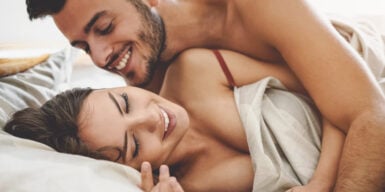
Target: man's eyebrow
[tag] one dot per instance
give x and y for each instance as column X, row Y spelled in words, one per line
column 115, row 102
column 93, row 20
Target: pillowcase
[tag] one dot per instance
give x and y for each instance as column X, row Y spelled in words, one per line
column 9, row 66
column 36, row 85
column 31, row 166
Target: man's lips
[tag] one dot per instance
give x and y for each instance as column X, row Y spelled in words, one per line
column 119, row 61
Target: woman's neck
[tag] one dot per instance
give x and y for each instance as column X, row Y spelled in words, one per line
column 192, row 146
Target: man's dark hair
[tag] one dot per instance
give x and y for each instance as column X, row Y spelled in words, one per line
column 41, row 8
column 55, row 123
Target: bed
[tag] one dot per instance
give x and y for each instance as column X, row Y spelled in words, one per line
column 29, row 166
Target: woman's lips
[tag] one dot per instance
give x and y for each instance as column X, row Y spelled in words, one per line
column 170, row 122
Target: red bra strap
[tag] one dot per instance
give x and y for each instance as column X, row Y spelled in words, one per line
column 224, row 67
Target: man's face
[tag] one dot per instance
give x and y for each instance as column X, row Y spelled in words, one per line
column 123, row 36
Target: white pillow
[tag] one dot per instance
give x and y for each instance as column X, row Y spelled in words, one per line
column 30, row 166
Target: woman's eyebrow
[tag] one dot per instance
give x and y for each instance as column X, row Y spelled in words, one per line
column 115, row 102
column 124, row 152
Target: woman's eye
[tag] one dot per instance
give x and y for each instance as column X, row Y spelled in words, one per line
column 127, row 105
column 136, row 150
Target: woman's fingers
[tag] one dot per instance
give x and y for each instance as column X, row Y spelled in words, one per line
column 147, row 179
column 164, row 176
column 167, row 183
column 175, row 186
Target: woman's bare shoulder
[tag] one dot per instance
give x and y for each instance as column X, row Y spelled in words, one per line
column 195, row 66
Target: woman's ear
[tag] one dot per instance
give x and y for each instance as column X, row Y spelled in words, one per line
column 153, row 3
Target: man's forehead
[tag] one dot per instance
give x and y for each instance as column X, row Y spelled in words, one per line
column 75, row 13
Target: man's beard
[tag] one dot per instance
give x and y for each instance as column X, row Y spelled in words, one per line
column 154, row 35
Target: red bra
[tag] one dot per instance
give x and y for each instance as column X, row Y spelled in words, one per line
column 224, row 67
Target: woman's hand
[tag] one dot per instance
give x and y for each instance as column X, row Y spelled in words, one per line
column 165, row 184
column 311, row 187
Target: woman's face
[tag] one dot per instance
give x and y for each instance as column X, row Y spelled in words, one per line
column 145, row 126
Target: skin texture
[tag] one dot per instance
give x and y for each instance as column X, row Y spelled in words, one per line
column 267, row 30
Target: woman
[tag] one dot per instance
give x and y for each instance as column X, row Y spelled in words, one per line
column 193, row 127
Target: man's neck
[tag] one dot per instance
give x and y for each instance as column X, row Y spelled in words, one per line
column 157, row 79
column 189, row 24
column 193, row 23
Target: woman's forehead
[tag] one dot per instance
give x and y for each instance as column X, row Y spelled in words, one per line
column 99, row 104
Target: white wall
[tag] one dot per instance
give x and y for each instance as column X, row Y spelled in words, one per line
column 352, row 6
column 16, row 27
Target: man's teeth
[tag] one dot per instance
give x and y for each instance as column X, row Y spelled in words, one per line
column 123, row 62
column 166, row 120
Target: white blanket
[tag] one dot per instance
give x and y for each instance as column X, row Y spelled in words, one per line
column 283, row 133
column 367, row 39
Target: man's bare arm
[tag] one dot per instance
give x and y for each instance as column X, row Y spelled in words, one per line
column 336, row 78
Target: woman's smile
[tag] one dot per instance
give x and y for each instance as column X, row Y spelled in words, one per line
column 169, row 122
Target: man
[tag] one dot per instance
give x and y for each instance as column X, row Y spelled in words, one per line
column 137, row 38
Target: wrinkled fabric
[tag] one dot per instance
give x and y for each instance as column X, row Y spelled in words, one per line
column 283, row 134
column 368, row 40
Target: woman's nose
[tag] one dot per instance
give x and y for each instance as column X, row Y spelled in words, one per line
column 148, row 121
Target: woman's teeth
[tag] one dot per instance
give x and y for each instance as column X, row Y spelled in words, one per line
column 124, row 60
column 166, row 119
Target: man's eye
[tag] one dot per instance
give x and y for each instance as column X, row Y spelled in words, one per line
column 106, row 30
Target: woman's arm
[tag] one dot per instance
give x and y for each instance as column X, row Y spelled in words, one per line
column 325, row 175
column 332, row 143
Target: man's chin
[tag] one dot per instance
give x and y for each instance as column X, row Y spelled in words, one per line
column 140, row 82
column 143, row 84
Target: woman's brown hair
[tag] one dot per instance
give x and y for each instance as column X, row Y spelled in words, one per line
column 54, row 123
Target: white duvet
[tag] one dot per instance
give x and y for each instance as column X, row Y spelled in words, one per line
column 283, row 133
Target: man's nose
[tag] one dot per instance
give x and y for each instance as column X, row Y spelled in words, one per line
column 100, row 51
